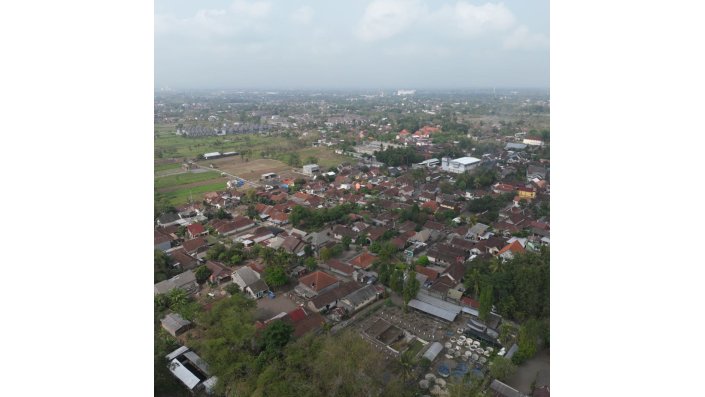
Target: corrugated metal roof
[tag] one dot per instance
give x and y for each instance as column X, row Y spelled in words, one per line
column 176, row 353
column 433, row 351
column 433, row 310
column 198, row 362
column 184, row 375
column 424, row 297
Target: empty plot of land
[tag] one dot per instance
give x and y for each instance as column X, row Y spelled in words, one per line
column 251, row 170
column 268, row 308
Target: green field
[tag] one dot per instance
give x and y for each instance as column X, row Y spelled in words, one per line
column 326, row 156
column 184, row 179
column 181, row 196
column 169, row 145
column 166, row 166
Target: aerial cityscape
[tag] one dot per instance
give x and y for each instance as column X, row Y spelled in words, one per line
column 326, row 240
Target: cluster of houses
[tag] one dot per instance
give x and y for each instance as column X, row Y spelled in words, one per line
column 346, row 284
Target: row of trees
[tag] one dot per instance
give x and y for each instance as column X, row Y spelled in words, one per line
column 393, row 157
column 305, row 217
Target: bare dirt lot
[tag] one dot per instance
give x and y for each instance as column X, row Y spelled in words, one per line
column 268, row 308
column 250, row 170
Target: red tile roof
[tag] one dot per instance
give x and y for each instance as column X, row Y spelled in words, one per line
column 318, row 280
column 515, row 247
column 195, row 229
column 364, row 260
column 297, row 314
column 430, row 273
column 194, row 244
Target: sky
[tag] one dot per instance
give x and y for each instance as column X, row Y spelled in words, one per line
column 372, row 44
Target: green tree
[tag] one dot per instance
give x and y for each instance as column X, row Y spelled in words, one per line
column 162, row 266
column 202, row 274
column 502, row 368
column 406, row 365
column 346, row 242
column 423, row 260
column 411, row 288
column 485, row 301
column 396, row 283
column 325, row 254
column 310, row 263
column 275, row 276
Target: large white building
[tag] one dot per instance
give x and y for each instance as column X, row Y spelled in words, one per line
column 459, row 165
column 311, row 169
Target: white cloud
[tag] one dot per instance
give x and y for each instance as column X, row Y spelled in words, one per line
column 240, row 17
column 386, row 18
column 303, row 15
column 257, row 9
column 468, row 20
column 521, row 38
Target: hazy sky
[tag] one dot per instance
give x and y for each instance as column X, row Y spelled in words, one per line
column 351, row 44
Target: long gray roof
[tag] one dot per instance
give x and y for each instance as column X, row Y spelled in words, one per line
column 433, row 310
column 184, row 280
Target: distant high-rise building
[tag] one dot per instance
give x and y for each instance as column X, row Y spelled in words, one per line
column 406, row 92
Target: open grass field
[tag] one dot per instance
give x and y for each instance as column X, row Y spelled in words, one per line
column 186, row 178
column 326, row 156
column 166, row 167
column 181, row 196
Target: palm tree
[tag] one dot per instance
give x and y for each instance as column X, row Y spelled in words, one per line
column 407, row 364
column 495, row 265
column 474, row 281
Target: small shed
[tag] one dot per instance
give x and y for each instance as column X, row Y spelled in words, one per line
column 174, row 324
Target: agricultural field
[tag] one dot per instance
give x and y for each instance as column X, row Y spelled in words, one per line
column 179, row 187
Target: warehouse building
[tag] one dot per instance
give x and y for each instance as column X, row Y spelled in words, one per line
column 459, row 165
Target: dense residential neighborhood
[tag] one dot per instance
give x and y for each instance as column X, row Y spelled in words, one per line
column 433, row 257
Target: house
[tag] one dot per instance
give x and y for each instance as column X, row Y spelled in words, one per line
column 535, row 171
column 340, row 231
column 431, row 275
column 526, row 193
column 219, row 272
column 185, row 281
column 375, row 233
column 339, row 267
column 195, row 230
column 303, row 322
column 168, row 219
column 511, row 249
column 476, row 231
column 162, row 240
column 249, row 282
column 293, row 244
column 363, row 261
column 317, row 282
column 181, row 260
column 174, row 324
column 195, row 245
column 533, row 141
column 329, row 299
column 360, row 298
